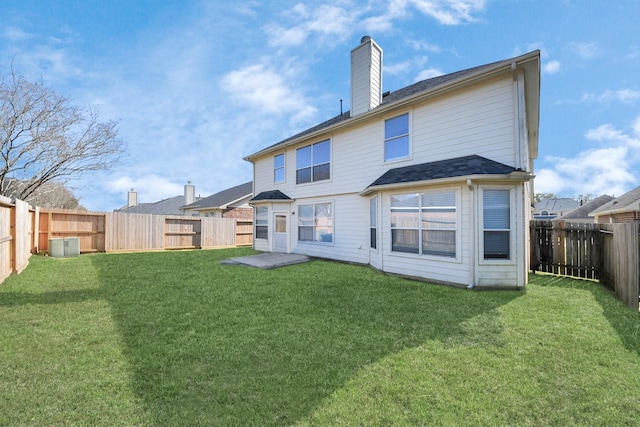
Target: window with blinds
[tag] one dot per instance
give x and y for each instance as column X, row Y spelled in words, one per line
column 496, row 214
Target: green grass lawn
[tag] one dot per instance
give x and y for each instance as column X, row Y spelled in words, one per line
column 176, row 338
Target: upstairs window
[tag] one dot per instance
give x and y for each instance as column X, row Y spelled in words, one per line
column 396, row 137
column 278, row 168
column 496, row 213
column 313, row 162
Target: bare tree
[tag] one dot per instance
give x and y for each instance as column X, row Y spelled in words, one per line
column 538, row 197
column 46, row 139
column 49, row 195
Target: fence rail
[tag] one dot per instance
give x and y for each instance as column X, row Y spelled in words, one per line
column 25, row 230
column 609, row 253
column 117, row 231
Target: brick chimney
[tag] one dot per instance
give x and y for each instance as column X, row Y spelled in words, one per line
column 366, row 76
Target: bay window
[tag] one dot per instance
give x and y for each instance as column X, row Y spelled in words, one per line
column 424, row 223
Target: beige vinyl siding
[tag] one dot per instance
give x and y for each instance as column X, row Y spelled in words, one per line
column 496, row 273
column 478, row 121
column 350, row 237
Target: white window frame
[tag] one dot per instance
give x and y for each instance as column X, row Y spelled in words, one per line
column 419, row 221
column 277, row 168
column 373, row 223
column 396, row 137
column 262, row 222
column 313, row 162
column 317, row 235
column 512, row 222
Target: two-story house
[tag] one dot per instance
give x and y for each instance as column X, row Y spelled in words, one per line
column 431, row 181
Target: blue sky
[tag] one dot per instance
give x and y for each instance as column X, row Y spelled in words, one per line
column 197, row 85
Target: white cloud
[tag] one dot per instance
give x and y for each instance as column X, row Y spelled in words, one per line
column 551, row 67
column 428, row 74
column 627, row 96
column 377, row 24
column 606, row 170
column 329, row 23
column 288, row 37
column 585, row 50
column 150, row 188
column 424, row 46
column 449, row 12
column 405, row 66
column 267, row 91
column 15, row 34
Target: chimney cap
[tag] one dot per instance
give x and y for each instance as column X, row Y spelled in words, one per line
column 365, row 39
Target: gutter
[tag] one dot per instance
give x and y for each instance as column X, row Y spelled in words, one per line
column 517, row 176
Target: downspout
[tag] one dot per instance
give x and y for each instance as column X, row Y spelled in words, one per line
column 474, row 233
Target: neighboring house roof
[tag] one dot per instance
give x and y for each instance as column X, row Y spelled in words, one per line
column 458, row 167
column 582, row 213
column 271, row 195
column 222, row 199
column 424, row 88
column 170, row 206
column 627, row 202
column 556, row 205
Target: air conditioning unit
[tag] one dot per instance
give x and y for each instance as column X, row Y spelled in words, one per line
column 64, row 247
column 56, row 248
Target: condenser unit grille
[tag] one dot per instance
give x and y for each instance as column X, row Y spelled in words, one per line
column 64, row 247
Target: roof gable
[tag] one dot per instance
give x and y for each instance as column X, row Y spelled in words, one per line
column 622, row 203
column 583, row 211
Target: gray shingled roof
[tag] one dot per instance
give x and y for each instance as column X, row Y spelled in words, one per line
column 170, row 206
column 223, row 198
column 621, row 202
column 556, row 205
column 461, row 166
column 390, row 97
column 270, row 195
column 583, row 211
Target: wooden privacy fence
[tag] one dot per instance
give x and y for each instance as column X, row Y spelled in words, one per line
column 609, row 253
column 116, row 231
column 17, row 222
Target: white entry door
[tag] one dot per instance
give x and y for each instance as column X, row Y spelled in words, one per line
column 280, row 232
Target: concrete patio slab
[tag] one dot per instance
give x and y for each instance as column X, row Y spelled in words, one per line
column 268, row 260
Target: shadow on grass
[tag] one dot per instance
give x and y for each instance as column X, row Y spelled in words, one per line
column 217, row 344
column 624, row 321
column 14, row 299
